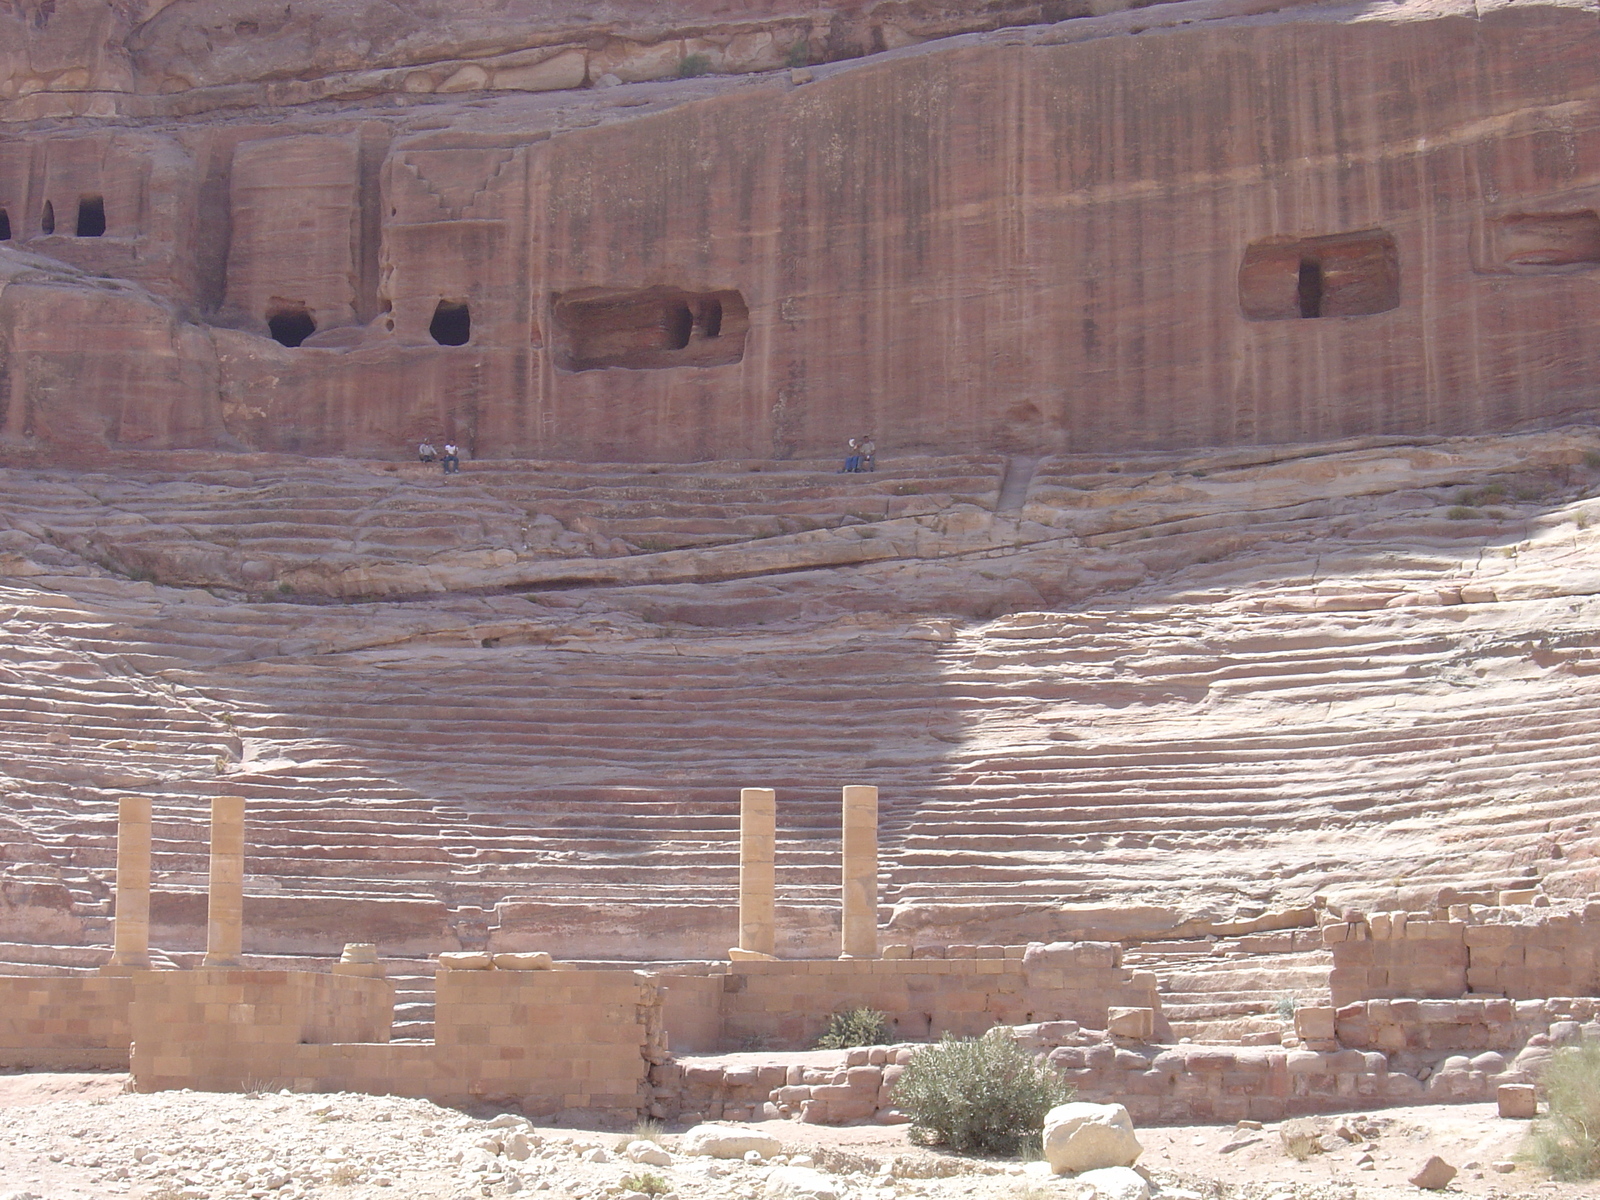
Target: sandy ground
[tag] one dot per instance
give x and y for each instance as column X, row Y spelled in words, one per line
column 83, row 1137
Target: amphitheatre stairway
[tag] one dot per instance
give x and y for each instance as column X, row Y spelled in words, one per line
column 1242, row 701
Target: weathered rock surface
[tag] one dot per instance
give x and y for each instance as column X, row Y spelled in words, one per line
column 1088, row 1137
column 417, row 263
column 800, row 1183
column 728, row 1141
column 1115, row 1183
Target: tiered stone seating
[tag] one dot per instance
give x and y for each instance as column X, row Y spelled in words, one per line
column 1229, row 734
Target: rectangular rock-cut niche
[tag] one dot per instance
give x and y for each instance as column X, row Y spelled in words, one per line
column 1341, row 275
column 647, row 328
column 1542, row 243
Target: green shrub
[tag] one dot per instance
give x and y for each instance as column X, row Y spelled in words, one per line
column 800, row 56
column 857, row 1027
column 1460, row 512
column 1567, row 1142
column 648, row 1182
column 979, row 1095
column 694, row 65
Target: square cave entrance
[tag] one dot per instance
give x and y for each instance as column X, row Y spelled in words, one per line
column 1340, row 275
column 647, row 328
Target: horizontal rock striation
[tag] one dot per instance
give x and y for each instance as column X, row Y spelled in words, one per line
column 1255, row 703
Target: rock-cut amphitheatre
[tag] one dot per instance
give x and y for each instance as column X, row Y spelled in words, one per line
column 1220, row 625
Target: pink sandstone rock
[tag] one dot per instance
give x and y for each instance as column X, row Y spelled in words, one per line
column 449, row 272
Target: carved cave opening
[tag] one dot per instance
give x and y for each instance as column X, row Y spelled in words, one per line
column 647, row 328
column 5, row 226
column 290, row 326
column 91, row 216
column 1546, row 241
column 452, row 323
column 47, row 219
column 1309, row 288
column 1341, row 275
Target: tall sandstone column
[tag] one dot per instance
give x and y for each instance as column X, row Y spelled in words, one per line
column 131, row 928
column 225, row 914
column 758, row 831
column 860, row 929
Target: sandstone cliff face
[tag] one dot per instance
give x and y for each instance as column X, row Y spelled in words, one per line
column 97, row 362
column 1231, row 231
column 147, row 57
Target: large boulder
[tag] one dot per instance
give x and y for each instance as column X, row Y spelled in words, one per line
column 728, row 1141
column 1087, row 1137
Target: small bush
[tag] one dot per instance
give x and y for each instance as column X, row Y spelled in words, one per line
column 694, row 65
column 647, row 1182
column 800, row 56
column 1591, row 459
column 1460, row 512
column 857, row 1027
column 1567, row 1142
column 979, row 1095
column 1285, row 1007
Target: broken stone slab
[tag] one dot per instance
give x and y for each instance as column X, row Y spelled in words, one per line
column 737, row 954
column 1518, row 1101
column 465, row 960
column 1434, row 1175
column 1086, row 1137
column 1314, row 1022
column 535, row 961
column 1135, row 1024
column 728, row 1141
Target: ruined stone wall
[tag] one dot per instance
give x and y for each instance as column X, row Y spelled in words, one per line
column 64, row 1022
column 1519, row 953
column 552, row 1039
column 1014, row 245
column 786, row 1004
column 224, row 1029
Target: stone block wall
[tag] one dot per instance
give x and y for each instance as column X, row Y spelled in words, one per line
column 1449, row 1060
column 559, row 1039
column 49, row 1021
column 1473, row 1024
column 691, row 1011
column 223, row 1029
column 552, row 1040
column 965, row 991
column 1518, row 953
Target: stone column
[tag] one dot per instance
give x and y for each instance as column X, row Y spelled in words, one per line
column 225, row 914
column 758, row 825
column 131, row 926
column 860, row 927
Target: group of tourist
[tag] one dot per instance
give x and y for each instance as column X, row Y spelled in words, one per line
column 451, row 459
column 863, row 456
